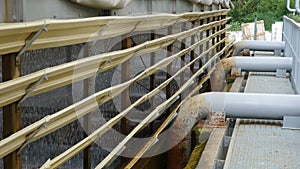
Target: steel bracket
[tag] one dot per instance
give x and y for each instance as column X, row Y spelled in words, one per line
column 31, row 136
column 136, row 25
column 29, row 42
column 277, row 52
column 31, row 87
column 291, row 122
column 281, row 73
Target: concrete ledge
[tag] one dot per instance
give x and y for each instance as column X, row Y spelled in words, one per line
column 213, row 149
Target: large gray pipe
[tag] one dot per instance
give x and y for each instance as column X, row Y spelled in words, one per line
column 257, row 45
column 244, row 105
column 266, row 64
column 263, row 64
column 297, row 6
column 288, row 4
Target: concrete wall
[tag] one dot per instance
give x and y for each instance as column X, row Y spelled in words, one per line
column 29, row 10
column 15, row 10
column 2, row 11
column 158, row 6
column 62, row 9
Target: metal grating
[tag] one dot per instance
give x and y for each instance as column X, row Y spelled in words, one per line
column 263, row 145
column 268, row 83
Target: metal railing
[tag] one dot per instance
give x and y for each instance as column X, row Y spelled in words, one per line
column 211, row 47
column 291, row 36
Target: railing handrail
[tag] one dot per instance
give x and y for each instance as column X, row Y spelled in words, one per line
column 14, row 90
column 62, row 75
column 69, row 113
column 59, row 33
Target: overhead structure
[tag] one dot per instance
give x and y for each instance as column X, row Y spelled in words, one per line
column 104, row 4
column 65, row 32
column 227, row 4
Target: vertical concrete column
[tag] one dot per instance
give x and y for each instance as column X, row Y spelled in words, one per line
column 12, row 115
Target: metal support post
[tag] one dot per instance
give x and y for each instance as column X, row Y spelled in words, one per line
column 192, row 57
column 169, row 69
column 175, row 160
column 255, row 27
column 89, row 86
column 182, row 60
column 6, row 11
column 152, row 79
column 223, row 35
column 207, row 58
column 12, row 115
column 213, row 39
column 152, row 62
column 201, row 49
column 170, row 52
column 207, row 43
column 125, row 101
column 218, row 37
